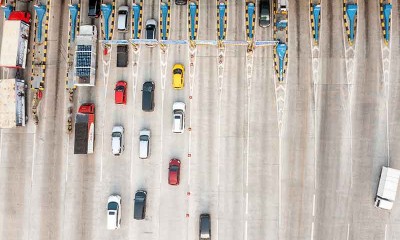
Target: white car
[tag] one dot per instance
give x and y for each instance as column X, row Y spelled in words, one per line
column 123, row 18
column 179, row 117
column 144, row 143
column 117, row 140
column 114, row 212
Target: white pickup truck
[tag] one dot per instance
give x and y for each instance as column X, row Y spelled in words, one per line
column 387, row 188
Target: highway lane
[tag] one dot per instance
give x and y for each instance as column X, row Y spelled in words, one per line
column 333, row 176
column 297, row 141
column 392, row 230
column 369, row 128
column 263, row 153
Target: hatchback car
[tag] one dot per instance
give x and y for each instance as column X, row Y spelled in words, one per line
column 151, row 30
column 139, row 209
column 114, row 212
column 265, row 14
column 179, row 117
column 148, row 97
column 178, row 80
column 174, row 171
column 123, row 18
column 117, row 140
column 120, row 92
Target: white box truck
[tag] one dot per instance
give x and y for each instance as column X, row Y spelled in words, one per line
column 387, row 188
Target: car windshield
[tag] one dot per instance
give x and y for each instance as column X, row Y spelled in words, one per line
column 177, row 117
column 174, row 168
column 112, row 206
column 147, row 88
column 116, row 134
column 144, row 138
column 177, row 71
column 119, row 88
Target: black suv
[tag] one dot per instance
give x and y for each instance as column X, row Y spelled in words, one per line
column 139, row 209
column 94, row 8
column 265, row 14
column 148, row 97
column 180, row 2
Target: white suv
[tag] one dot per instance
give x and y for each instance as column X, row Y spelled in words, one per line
column 179, row 117
column 117, row 140
column 114, row 212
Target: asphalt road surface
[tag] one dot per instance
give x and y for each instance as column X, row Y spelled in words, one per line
column 314, row 179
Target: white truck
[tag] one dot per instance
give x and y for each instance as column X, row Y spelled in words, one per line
column 14, row 44
column 12, row 103
column 387, row 188
column 85, row 56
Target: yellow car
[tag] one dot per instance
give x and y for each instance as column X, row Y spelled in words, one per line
column 177, row 76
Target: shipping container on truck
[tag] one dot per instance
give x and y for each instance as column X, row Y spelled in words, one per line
column 12, row 103
column 14, row 44
column 85, row 56
column 387, row 188
column 84, row 129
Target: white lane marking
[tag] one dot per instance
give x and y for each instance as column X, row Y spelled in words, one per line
column 245, row 229
column 312, row 230
column 67, row 162
column 106, row 74
column 135, row 64
column 1, row 143
column 247, row 203
column 385, row 231
column 33, row 157
column 348, row 231
column 162, row 132
column 313, row 206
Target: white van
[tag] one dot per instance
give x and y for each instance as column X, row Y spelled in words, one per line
column 123, row 18
column 117, row 140
column 114, row 212
column 144, row 143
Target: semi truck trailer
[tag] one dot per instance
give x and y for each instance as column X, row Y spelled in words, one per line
column 14, row 44
column 84, row 129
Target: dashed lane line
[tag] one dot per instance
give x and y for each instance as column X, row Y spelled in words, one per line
column 135, row 64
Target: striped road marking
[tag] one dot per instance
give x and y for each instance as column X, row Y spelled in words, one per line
column 313, row 20
column 168, row 2
column 276, row 58
column 347, row 23
column 69, row 44
column 140, row 3
column 381, row 3
column 196, row 27
column 248, row 20
column 225, row 19
column 42, row 60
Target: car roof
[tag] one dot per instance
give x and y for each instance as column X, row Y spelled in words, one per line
column 151, row 22
column 118, row 129
column 125, row 8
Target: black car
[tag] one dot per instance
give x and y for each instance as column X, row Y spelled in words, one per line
column 180, row 2
column 94, row 8
column 148, row 97
column 139, row 208
column 265, row 14
column 205, row 226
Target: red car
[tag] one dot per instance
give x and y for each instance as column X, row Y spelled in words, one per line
column 120, row 92
column 174, row 169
